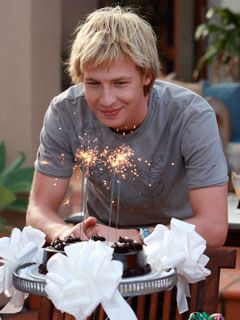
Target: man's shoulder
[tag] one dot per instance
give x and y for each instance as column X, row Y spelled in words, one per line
column 170, row 88
column 173, row 94
column 177, row 102
column 72, row 94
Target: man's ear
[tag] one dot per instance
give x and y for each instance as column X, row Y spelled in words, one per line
column 147, row 78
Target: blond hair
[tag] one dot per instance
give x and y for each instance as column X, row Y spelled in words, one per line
column 109, row 33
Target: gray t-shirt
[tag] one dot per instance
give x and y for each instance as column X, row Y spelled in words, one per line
column 176, row 148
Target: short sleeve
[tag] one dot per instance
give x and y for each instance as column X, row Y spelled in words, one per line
column 202, row 151
column 54, row 156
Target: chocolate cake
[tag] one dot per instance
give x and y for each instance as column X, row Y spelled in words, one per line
column 126, row 250
column 133, row 257
column 57, row 246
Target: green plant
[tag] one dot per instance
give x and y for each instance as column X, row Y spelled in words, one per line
column 223, row 29
column 14, row 182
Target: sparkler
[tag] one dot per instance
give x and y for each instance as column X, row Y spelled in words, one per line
column 121, row 164
column 87, row 159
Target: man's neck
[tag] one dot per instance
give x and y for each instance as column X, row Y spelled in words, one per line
column 125, row 131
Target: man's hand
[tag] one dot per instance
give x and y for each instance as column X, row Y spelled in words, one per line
column 89, row 227
column 111, row 234
column 80, row 229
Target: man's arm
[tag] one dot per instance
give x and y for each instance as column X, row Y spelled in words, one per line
column 209, row 207
column 46, row 197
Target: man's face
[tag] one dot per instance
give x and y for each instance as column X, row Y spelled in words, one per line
column 115, row 94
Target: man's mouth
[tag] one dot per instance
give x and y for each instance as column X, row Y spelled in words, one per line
column 110, row 112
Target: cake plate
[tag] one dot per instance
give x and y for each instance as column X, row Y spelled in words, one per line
column 26, row 279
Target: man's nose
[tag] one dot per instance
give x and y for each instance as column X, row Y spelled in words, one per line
column 107, row 97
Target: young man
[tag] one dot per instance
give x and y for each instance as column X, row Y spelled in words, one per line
column 177, row 167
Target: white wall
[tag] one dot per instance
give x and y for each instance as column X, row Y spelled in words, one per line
column 30, row 70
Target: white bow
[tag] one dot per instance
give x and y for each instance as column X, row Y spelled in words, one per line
column 21, row 247
column 179, row 247
column 87, row 276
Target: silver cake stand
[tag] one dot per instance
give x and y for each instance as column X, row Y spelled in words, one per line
column 128, row 287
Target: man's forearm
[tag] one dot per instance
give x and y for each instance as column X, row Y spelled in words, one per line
column 214, row 233
column 47, row 221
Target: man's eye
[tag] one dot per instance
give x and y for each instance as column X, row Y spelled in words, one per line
column 92, row 84
column 121, row 83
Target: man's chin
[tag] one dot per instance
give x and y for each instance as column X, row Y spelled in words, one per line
column 110, row 124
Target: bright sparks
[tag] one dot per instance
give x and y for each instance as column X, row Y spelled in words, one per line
column 121, row 161
column 87, row 158
column 67, row 202
column 44, row 162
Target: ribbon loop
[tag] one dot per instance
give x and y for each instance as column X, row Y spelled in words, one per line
column 87, row 267
column 179, row 247
column 21, row 247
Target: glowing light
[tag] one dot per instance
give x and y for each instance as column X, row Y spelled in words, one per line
column 76, row 172
column 62, row 157
column 121, row 161
column 67, row 201
column 87, row 158
column 44, row 162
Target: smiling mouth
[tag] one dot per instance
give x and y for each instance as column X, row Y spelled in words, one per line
column 110, row 113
